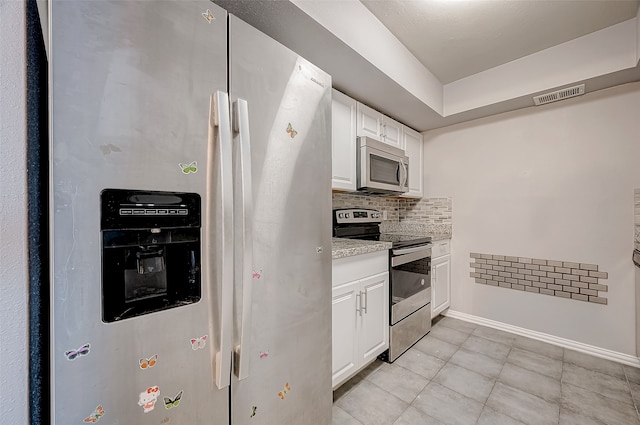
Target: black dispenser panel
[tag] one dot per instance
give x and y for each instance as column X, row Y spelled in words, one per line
column 150, row 251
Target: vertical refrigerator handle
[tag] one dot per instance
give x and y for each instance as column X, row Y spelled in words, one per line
column 244, row 230
column 220, row 142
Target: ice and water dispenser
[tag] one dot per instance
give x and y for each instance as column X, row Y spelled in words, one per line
column 150, row 251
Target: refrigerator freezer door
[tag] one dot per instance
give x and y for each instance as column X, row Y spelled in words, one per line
column 131, row 83
column 289, row 108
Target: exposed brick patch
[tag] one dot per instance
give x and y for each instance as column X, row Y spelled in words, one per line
column 565, row 279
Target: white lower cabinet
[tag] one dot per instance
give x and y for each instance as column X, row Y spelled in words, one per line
column 360, row 313
column 440, row 277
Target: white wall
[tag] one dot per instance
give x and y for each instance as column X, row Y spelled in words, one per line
column 14, row 353
column 552, row 182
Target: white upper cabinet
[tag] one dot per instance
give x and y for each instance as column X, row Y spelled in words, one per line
column 392, row 132
column 343, row 141
column 414, row 150
column 369, row 122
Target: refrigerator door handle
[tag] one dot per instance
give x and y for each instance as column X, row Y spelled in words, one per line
column 220, row 137
column 244, row 227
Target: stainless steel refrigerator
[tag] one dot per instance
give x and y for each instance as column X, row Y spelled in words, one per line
column 190, row 219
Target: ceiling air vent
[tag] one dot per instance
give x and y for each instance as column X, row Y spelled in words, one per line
column 559, row 95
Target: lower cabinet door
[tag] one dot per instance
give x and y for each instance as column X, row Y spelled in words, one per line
column 374, row 303
column 345, row 318
column 440, row 284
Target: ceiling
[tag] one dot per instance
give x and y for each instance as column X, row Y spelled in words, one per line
column 369, row 48
column 458, row 38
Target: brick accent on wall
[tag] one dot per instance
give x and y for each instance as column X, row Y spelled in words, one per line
column 577, row 281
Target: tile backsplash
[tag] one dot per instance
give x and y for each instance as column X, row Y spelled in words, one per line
column 426, row 215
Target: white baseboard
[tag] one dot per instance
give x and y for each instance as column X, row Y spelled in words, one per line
column 551, row 339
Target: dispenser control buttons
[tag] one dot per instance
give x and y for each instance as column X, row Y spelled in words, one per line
column 153, row 211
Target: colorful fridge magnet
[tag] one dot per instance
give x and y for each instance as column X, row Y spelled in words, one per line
column 95, row 416
column 148, row 398
column 82, row 351
column 256, row 274
column 253, row 411
column 168, row 403
column 150, row 362
column 264, row 354
column 189, row 168
column 284, row 392
column 291, row 131
column 208, row 16
column 198, row 343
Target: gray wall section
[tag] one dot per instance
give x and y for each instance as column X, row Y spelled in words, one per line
column 13, row 217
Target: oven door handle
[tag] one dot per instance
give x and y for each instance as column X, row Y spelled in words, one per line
column 398, row 260
column 402, row 251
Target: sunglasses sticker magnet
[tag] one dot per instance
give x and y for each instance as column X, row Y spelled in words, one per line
column 95, row 416
column 197, row 343
column 169, row 403
column 254, row 409
column 147, row 399
column 82, row 351
column 146, row 363
column 264, row 354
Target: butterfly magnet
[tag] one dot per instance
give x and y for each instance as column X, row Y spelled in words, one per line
column 284, row 392
column 263, row 354
column 291, row 131
column 146, row 363
column 208, row 16
column 192, row 167
column 256, row 274
column 198, row 343
column 169, row 403
column 82, row 351
column 95, row 416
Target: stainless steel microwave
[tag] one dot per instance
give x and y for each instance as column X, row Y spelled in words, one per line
column 381, row 169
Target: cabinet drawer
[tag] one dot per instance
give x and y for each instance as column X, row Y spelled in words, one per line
column 359, row 266
column 440, row 248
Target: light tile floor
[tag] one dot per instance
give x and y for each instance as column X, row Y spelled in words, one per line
column 461, row 373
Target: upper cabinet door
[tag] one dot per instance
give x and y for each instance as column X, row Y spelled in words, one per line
column 369, row 122
column 343, row 141
column 392, row 132
column 413, row 149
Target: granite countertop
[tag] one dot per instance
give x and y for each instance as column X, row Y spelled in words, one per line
column 341, row 248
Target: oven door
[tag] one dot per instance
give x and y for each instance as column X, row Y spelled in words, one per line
column 382, row 169
column 410, row 281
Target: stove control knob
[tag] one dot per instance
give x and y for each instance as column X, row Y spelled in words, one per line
column 340, row 215
column 347, row 215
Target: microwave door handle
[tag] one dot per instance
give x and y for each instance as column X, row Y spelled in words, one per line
column 220, row 277
column 244, row 227
column 406, row 174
